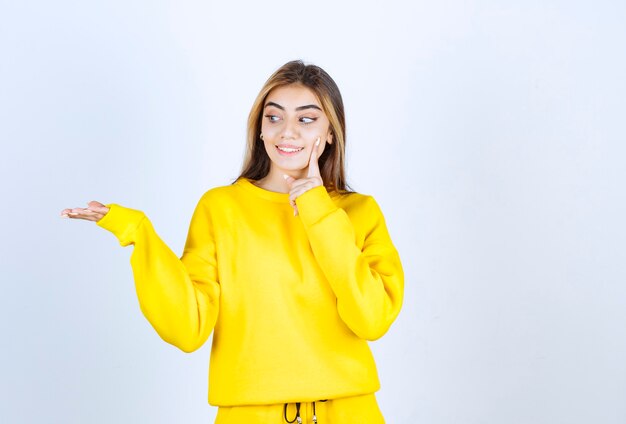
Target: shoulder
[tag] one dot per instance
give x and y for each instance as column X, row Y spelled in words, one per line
column 362, row 210
column 356, row 203
column 365, row 215
column 215, row 205
column 219, row 194
column 215, row 201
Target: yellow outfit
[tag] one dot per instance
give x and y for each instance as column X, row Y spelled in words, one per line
column 292, row 300
column 351, row 410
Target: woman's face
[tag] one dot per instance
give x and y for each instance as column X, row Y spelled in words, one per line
column 292, row 121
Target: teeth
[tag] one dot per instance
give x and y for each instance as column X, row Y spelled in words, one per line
column 289, row 149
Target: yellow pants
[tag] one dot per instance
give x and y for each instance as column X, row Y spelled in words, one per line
column 351, row 410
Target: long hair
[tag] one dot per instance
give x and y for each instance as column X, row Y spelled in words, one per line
column 256, row 164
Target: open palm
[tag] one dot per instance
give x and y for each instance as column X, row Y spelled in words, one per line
column 94, row 211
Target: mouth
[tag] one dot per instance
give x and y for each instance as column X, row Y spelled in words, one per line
column 288, row 150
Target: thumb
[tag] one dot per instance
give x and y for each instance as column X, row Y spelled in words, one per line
column 289, row 179
column 97, row 207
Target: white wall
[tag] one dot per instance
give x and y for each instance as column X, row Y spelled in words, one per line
column 490, row 132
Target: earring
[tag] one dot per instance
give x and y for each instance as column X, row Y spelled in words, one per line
column 261, row 136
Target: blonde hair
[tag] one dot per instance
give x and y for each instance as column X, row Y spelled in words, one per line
column 256, row 164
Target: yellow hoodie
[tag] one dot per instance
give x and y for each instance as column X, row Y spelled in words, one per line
column 292, row 300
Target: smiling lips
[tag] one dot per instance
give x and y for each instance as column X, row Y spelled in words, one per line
column 288, row 149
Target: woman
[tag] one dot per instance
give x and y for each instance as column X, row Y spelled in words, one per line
column 292, row 272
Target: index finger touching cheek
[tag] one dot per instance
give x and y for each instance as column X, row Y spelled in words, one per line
column 313, row 165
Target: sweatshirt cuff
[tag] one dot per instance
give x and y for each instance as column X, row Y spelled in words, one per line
column 122, row 222
column 315, row 204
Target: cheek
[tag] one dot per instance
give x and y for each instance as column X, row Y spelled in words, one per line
column 269, row 131
column 312, row 130
column 323, row 129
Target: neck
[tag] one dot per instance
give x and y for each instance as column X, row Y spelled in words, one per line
column 274, row 180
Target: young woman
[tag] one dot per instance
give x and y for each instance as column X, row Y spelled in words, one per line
column 292, row 272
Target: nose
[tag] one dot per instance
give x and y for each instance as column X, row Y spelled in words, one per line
column 289, row 130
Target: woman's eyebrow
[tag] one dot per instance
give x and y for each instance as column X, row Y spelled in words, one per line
column 308, row 107
column 274, row 104
column 299, row 108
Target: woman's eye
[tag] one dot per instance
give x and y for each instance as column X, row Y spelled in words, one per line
column 272, row 118
column 306, row 120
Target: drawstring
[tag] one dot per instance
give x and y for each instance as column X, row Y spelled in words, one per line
column 297, row 417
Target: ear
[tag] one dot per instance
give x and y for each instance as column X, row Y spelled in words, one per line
column 329, row 137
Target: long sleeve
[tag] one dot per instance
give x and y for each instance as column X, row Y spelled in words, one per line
column 179, row 297
column 368, row 282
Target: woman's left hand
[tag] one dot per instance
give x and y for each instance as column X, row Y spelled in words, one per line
column 313, row 179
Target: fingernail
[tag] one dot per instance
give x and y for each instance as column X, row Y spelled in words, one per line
column 317, row 143
column 285, row 176
column 64, row 216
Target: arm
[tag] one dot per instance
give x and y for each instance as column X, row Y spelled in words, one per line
column 368, row 282
column 179, row 297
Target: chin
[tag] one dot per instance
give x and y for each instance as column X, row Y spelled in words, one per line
column 297, row 173
column 290, row 167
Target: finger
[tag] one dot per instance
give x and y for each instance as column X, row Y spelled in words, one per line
column 97, row 207
column 73, row 211
column 314, row 169
column 94, row 211
column 80, row 213
column 94, row 205
column 299, row 191
column 92, row 215
column 301, row 182
column 75, row 215
column 292, row 203
column 289, row 179
column 295, row 208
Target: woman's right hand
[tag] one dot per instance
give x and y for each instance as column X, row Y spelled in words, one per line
column 94, row 211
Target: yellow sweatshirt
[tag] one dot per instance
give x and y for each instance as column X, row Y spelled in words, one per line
column 292, row 300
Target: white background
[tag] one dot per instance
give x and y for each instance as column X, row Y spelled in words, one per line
column 490, row 132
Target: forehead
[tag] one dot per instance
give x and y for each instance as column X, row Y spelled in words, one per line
column 293, row 95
